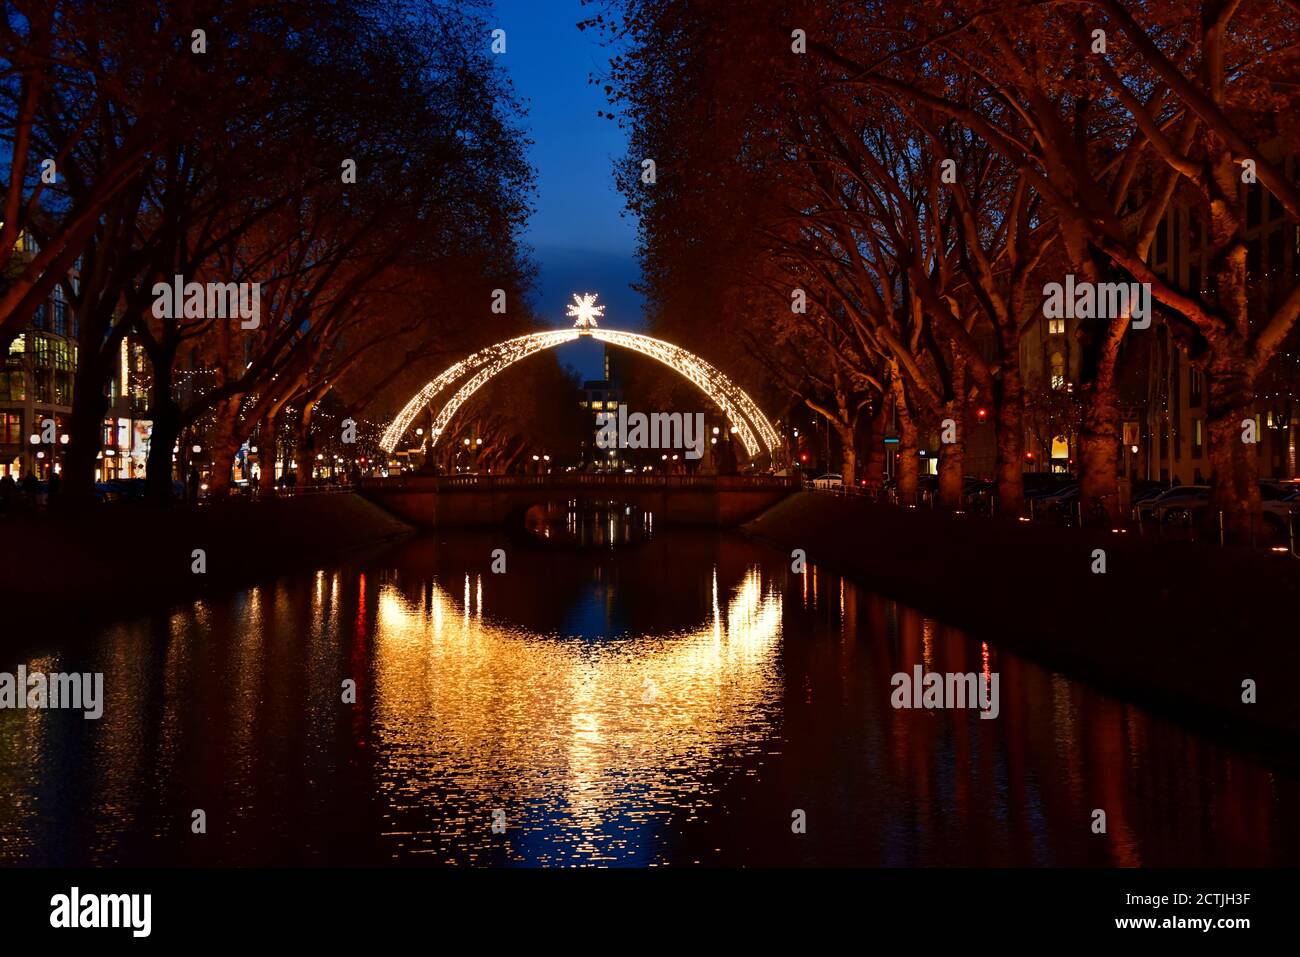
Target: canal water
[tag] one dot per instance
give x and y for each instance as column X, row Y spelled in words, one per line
column 612, row 694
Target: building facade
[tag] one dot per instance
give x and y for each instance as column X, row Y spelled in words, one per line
column 36, row 391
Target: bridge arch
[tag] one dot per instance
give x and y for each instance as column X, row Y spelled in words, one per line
column 473, row 372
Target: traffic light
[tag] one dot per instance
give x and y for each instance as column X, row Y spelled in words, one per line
column 982, row 414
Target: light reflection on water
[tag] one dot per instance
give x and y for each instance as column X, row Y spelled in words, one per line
column 582, row 744
column 662, row 702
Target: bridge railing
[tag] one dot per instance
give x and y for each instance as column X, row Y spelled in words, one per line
column 580, row 480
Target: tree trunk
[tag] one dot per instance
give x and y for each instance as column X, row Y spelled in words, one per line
column 306, row 446
column 1009, row 414
column 908, row 463
column 850, row 468
column 875, row 471
column 1099, row 451
column 85, row 434
column 1235, row 492
column 268, row 451
column 1235, row 463
column 846, row 431
column 952, row 460
column 224, row 442
column 165, row 413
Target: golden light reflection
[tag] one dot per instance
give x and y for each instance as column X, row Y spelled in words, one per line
column 568, row 725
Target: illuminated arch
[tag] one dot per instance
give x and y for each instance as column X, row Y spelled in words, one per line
column 472, row 373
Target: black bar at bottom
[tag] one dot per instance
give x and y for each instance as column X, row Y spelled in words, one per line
column 375, row 906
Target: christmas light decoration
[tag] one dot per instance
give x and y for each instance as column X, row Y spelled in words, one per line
column 518, row 347
column 585, row 310
column 747, row 421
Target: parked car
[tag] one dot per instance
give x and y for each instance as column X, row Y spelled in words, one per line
column 1273, row 492
column 1038, row 484
column 1179, row 503
column 829, row 480
column 1281, row 514
column 1057, row 504
column 105, row 492
column 1145, row 496
column 1279, row 502
column 127, row 490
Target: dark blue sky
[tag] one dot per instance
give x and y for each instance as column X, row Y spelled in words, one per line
column 580, row 240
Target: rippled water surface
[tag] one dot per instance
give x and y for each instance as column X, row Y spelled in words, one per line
column 672, row 701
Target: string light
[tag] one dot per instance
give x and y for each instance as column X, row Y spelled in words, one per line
column 734, row 402
column 748, row 422
column 494, row 358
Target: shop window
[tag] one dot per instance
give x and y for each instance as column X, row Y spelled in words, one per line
column 11, row 428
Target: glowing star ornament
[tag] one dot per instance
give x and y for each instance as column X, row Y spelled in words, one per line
column 585, row 311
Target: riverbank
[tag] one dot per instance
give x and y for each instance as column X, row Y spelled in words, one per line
column 118, row 558
column 1172, row 625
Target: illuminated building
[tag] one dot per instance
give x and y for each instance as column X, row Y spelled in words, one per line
column 36, row 384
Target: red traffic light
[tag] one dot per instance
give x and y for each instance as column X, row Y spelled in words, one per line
column 803, row 456
column 981, row 413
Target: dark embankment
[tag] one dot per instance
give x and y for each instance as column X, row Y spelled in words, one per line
column 1175, row 626
column 118, row 558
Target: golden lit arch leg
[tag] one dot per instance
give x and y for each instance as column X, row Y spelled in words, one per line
column 735, row 403
column 497, row 359
column 523, row 345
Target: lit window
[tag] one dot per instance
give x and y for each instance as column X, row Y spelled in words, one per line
column 1056, row 327
column 1058, row 371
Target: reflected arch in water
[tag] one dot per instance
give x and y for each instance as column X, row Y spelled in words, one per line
column 571, row 724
